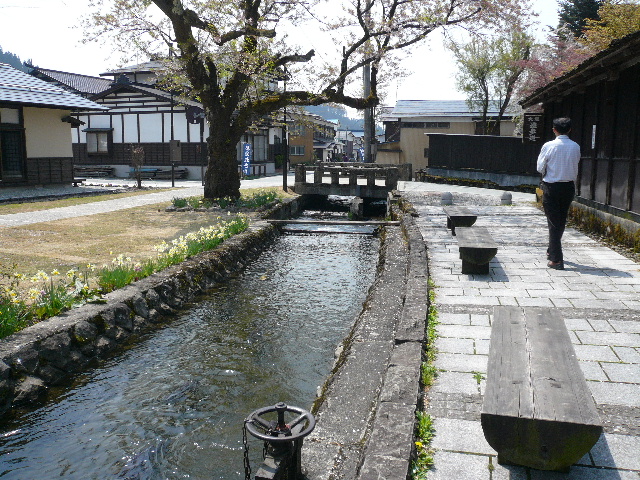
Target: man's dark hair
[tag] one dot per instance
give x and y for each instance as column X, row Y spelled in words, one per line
column 562, row 125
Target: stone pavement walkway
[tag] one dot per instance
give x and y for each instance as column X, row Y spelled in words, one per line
column 598, row 294
column 188, row 188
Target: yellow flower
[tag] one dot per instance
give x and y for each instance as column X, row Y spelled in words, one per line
column 55, row 272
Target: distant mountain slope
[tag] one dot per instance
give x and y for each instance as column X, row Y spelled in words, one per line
column 329, row 112
column 13, row 60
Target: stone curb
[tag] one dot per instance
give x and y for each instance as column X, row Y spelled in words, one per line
column 390, row 449
column 366, row 413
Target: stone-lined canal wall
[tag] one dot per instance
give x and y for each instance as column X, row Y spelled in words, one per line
column 366, row 412
column 50, row 353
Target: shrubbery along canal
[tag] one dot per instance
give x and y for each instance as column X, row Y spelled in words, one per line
column 172, row 405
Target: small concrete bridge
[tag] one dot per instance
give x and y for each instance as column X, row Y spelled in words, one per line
column 364, row 180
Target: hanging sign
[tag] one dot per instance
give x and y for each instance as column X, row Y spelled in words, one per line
column 195, row 115
column 246, row 158
column 532, row 128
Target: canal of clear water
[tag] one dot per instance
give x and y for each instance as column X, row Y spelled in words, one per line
column 172, row 405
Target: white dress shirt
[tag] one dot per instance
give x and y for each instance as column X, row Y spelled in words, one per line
column 559, row 159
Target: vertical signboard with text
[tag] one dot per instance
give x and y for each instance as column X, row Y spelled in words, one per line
column 532, row 128
column 246, row 158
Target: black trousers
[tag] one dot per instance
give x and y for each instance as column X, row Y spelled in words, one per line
column 556, row 200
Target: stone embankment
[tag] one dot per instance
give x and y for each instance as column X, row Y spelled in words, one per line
column 52, row 352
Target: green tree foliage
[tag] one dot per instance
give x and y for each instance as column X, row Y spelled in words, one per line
column 228, row 52
column 13, row 60
column 573, row 14
column 489, row 70
column 617, row 19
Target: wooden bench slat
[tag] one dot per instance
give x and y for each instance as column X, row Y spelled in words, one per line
column 458, row 216
column 512, row 396
column 537, row 410
column 568, row 383
column 476, row 247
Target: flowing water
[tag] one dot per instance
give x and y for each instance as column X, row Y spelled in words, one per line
column 172, row 406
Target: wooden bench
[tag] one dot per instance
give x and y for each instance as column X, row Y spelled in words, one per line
column 150, row 173
column 537, row 409
column 476, row 247
column 459, row 217
column 94, row 171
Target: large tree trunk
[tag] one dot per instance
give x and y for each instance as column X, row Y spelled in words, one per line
column 222, row 178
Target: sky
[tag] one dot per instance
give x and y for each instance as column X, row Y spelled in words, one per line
column 47, row 31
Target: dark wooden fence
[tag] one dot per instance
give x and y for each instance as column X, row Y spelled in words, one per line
column 483, row 153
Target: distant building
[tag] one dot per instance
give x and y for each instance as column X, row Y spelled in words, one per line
column 312, row 138
column 35, row 129
column 348, row 139
column 407, row 124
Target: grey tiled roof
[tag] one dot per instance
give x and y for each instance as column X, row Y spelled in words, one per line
column 82, row 84
column 146, row 67
column 135, row 87
column 432, row 108
column 20, row 88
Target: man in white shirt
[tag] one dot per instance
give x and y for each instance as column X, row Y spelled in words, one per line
column 558, row 164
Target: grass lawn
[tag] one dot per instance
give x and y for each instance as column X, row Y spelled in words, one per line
column 95, row 239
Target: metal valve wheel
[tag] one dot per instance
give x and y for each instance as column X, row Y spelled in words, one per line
column 279, row 431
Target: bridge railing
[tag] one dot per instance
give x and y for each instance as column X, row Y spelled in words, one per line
column 334, row 172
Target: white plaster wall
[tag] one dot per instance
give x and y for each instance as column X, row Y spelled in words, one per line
column 99, row 121
column 194, row 132
column 179, row 127
column 151, row 128
column 46, row 134
column 117, row 128
column 130, row 128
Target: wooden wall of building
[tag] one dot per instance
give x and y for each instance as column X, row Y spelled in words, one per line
column 606, row 123
column 49, row 170
column 483, row 153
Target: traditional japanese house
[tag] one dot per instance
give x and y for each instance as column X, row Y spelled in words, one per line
column 171, row 129
column 35, row 129
column 602, row 97
column 409, row 121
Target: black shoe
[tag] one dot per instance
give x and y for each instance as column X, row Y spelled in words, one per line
column 556, row 265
